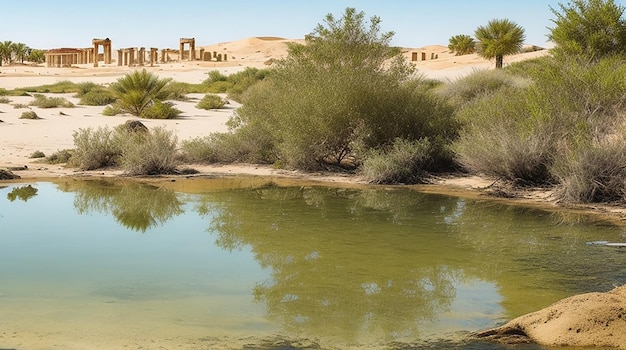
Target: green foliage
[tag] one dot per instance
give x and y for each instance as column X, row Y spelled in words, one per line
column 147, row 153
column 243, row 146
column 215, row 76
column 24, row 193
column 591, row 28
column 342, row 93
column 37, row 154
column 404, row 162
column 29, row 115
column 97, row 97
column 462, row 44
column 211, row 101
column 62, row 156
column 499, row 38
column 60, row 87
column 4, row 99
column 111, row 110
column 594, row 172
column 160, row 110
column 234, row 84
column 19, row 105
column 37, row 56
column 138, row 151
column 503, row 136
column 138, row 90
column 43, row 101
column 477, row 84
column 241, row 81
column 94, row 148
column 519, row 133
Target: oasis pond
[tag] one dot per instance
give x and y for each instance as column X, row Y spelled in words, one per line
column 243, row 263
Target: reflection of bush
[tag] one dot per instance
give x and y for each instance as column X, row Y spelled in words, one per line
column 322, row 286
column 136, row 206
column 23, row 193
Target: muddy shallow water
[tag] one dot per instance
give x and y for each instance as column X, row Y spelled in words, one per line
column 233, row 264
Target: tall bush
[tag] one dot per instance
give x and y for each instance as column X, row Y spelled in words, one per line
column 344, row 92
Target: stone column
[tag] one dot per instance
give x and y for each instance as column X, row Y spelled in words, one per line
column 95, row 54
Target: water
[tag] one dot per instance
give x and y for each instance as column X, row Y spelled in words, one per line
column 233, row 264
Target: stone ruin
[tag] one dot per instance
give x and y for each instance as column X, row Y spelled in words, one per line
column 132, row 56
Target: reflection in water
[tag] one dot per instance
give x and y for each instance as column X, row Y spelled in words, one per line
column 24, row 193
column 135, row 205
column 357, row 266
column 346, row 264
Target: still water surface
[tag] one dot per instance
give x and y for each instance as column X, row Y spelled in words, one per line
column 115, row 264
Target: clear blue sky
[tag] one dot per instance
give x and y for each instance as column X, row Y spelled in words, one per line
column 47, row 24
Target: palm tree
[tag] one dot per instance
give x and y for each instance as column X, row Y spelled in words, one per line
column 6, row 51
column 462, row 44
column 21, row 51
column 36, row 56
column 500, row 37
column 138, row 90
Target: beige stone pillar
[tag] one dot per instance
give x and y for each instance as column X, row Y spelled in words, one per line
column 95, row 54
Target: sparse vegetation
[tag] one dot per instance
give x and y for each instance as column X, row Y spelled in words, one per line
column 95, row 148
column 147, row 153
column 4, row 99
column 37, row 154
column 30, row 115
column 62, row 156
column 136, row 150
column 43, row 101
column 211, row 101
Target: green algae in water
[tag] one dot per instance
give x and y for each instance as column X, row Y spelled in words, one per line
column 344, row 267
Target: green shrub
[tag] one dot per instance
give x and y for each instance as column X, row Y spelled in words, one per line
column 95, row 148
column 19, row 105
column 111, row 111
column 62, row 156
column 593, row 173
column 30, row 115
column 504, row 137
column 5, row 100
column 42, row 101
column 517, row 133
column 160, row 110
column 478, row 83
column 149, row 153
column 97, row 97
column 138, row 90
column 37, row 154
column 228, row 147
column 211, row 101
column 215, row 76
column 404, row 162
column 60, row 87
column 85, row 87
column 219, row 87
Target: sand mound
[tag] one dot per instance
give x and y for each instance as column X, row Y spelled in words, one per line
column 592, row 319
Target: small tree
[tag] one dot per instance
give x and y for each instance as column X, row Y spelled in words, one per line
column 36, row 56
column 137, row 91
column 593, row 28
column 6, row 51
column 21, row 51
column 500, row 37
column 462, row 44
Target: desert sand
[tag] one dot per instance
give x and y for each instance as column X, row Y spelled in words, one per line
column 19, row 138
